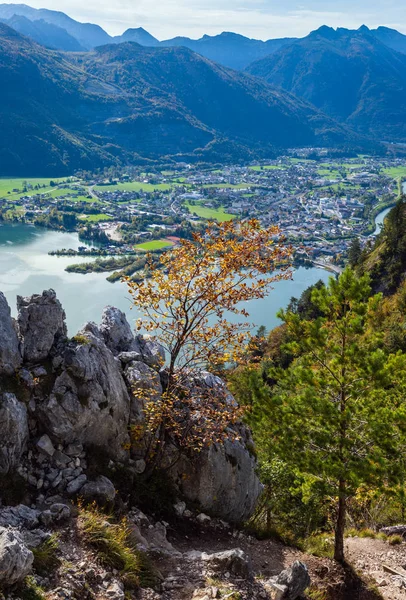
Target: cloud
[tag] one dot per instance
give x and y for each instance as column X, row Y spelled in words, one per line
column 262, row 19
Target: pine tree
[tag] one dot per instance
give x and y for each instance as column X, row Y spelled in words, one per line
column 354, row 252
column 338, row 412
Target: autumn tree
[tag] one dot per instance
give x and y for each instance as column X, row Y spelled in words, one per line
column 338, row 412
column 195, row 304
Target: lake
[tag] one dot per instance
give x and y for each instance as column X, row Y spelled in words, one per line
column 26, row 268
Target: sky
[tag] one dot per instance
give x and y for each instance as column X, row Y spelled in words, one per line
column 261, row 19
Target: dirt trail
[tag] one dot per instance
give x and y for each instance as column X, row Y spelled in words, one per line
column 368, row 556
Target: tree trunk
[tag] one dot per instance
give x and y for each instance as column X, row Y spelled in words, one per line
column 340, row 524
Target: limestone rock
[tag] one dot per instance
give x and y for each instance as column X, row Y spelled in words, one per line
column 89, row 403
column 41, row 321
column 141, row 377
column 222, row 478
column 101, row 491
column 45, row 445
column 149, row 537
column 15, row 558
column 21, row 517
column 60, row 512
column 13, row 432
column 116, row 330
column 129, row 357
column 295, row 578
column 10, row 358
column 153, row 354
column 235, row 562
column 76, row 485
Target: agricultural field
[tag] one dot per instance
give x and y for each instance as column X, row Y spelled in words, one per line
column 7, row 185
column 217, row 214
column 154, row 245
column 396, row 172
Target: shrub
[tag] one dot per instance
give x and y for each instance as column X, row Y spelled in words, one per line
column 80, row 339
column 111, row 541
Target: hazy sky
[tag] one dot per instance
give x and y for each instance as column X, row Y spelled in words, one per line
column 262, row 19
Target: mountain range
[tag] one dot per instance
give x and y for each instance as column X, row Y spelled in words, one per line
column 79, row 98
column 229, row 49
column 350, row 75
column 124, row 102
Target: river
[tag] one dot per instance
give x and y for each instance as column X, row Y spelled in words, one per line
column 26, row 268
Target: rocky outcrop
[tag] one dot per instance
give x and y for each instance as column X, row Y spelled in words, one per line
column 116, row 331
column 87, row 394
column 13, row 432
column 89, row 402
column 41, row 322
column 15, row 558
column 10, row 358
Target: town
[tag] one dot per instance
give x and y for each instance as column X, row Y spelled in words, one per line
column 320, row 204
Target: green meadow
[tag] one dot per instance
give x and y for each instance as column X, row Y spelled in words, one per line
column 97, row 218
column 217, row 214
column 154, row 245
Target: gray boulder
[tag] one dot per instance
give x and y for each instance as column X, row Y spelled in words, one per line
column 101, row 490
column 142, row 381
column 10, row 358
column 15, row 558
column 221, row 478
column 295, row 579
column 89, row 403
column 41, row 321
column 13, row 432
column 116, row 330
column 21, row 517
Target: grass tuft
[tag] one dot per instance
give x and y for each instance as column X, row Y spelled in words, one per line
column 112, row 543
column 315, row 594
column 394, row 540
column 321, row 545
column 367, row 533
column 30, row 590
column 46, row 557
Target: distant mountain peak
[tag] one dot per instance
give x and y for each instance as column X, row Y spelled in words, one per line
column 364, row 29
column 325, row 31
